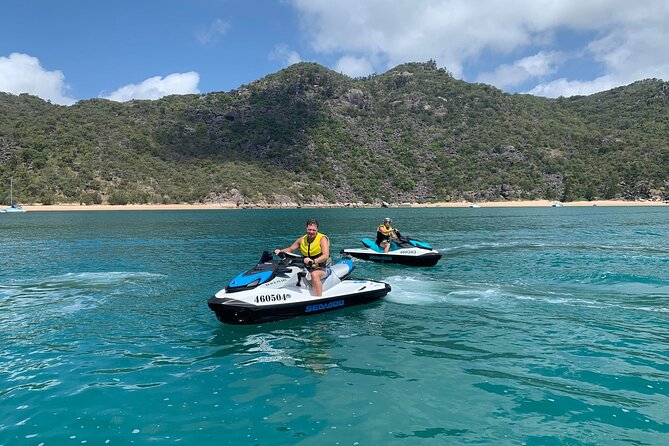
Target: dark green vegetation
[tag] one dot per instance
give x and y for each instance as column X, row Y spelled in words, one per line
column 309, row 135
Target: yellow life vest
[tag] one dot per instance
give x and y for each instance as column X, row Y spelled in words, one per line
column 312, row 249
column 385, row 231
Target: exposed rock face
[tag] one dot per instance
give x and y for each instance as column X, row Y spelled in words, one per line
column 6, row 149
column 232, row 196
column 355, row 97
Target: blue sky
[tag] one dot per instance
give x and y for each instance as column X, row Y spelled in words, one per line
column 68, row 50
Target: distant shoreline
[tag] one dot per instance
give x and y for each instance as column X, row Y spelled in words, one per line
column 227, row 205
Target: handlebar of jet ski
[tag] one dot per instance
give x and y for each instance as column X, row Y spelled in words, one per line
column 294, row 258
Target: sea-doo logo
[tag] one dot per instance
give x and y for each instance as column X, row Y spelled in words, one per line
column 386, row 258
column 327, row 306
column 271, row 297
column 275, row 281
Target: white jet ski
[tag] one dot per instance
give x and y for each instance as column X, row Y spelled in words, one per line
column 403, row 251
column 274, row 290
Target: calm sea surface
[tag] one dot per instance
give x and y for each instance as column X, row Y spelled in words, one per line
column 540, row 326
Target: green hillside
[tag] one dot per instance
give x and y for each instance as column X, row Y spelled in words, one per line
column 309, row 135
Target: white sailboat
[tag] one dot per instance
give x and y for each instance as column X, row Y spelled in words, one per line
column 13, row 208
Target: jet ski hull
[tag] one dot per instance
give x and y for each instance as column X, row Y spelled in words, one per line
column 426, row 259
column 232, row 311
column 403, row 251
column 273, row 291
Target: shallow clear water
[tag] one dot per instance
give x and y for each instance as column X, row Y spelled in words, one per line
column 539, row 326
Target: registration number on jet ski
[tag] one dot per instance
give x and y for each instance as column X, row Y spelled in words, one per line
column 272, row 297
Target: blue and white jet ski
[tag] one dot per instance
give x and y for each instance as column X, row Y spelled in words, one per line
column 403, row 251
column 274, row 290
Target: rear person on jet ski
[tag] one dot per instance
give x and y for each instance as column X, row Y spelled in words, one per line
column 385, row 233
column 315, row 248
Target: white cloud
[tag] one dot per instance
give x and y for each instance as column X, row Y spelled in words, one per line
column 285, row 55
column 354, row 66
column 509, row 75
column 628, row 40
column 213, row 32
column 564, row 87
column 627, row 55
column 157, row 87
column 635, row 53
column 21, row 73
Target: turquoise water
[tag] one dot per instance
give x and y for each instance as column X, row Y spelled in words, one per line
column 540, row 326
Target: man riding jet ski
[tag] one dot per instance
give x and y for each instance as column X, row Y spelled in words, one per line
column 391, row 246
column 282, row 289
column 315, row 249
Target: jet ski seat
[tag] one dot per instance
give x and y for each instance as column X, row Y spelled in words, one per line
column 371, row 244
column 342, row 268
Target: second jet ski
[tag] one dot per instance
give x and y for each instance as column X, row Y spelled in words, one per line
column 403, row 251
column 280, row 289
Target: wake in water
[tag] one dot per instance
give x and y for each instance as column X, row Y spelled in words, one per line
column 71, row 284
column 610, row 291
column 414, row 291
column 523, row 245
column 66, row 294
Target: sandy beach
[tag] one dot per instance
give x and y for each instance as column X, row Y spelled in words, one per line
column 547, row 203
column 227, row 205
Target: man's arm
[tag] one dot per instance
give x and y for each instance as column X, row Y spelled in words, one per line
column 291, row 248
column 325, row 248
